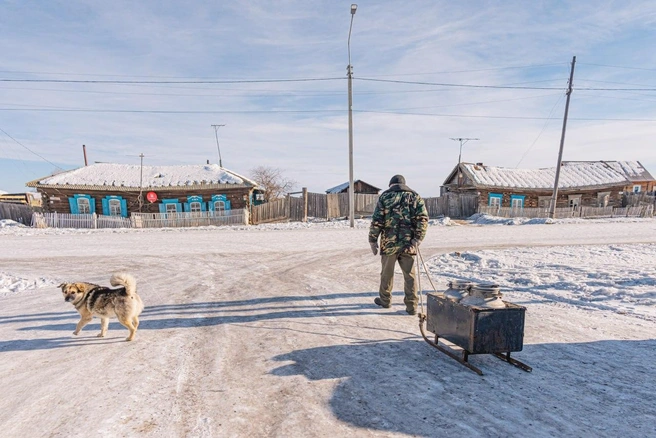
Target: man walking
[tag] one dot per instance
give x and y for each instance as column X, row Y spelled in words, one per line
column 401, row 220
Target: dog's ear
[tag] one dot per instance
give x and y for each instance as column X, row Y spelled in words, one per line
column 63, row 285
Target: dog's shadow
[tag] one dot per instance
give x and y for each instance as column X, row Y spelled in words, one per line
column 203, row 314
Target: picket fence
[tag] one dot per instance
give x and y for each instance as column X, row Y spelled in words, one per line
column 140, row 220
column 570, row 212
column 189, row 219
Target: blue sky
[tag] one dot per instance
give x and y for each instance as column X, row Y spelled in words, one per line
column 493, row 70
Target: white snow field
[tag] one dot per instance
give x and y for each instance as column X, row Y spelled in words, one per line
column 272, row 331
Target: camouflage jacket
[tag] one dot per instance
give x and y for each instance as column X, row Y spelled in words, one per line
column 399, row 217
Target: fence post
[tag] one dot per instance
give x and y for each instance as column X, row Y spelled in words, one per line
column 94, row 218
column 305, row 204
column 56, row 222
column 288, row 207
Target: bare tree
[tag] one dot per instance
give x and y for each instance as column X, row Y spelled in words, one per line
column 272, row 181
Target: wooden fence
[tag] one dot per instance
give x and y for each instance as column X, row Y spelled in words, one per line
column 16, row 212
column 140, row 220
column 189, row 219
column 63, row 220
column 640, row 198
column 453, row 205
column 569, row 212
column 336, row 205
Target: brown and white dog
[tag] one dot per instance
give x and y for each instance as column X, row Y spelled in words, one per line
column 93, row 300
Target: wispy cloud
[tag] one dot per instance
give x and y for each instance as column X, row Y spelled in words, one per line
column 301, row 127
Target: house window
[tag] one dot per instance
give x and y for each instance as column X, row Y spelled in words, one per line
column 544, row 201
column 83, row 206
column 574, row 200
column 171, row 207
column 517, row 201
column 219, row 203
column 603, row 199
column 194, row 207
column 636, row 188
column 114, row 207
column 494, row 199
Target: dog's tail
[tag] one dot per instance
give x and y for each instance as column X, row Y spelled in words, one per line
column 126, row 280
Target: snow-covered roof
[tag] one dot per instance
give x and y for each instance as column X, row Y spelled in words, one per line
column 341, row 187
column 572, row 174
column 632, row 170
column 2, row 192
column 129, row 176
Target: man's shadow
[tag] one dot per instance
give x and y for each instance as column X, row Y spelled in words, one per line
column 409, row 387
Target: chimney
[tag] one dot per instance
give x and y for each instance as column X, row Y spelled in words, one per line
column 208, row 161
column 84, row 150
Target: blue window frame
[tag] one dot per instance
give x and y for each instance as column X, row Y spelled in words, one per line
column 82, row 204
column 114, row 206
column 219, row 203
column 517, row 201
column 494, row 199
column 170, row 206
column 195, row 204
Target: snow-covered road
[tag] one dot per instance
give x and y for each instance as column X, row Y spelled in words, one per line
column 273, row 332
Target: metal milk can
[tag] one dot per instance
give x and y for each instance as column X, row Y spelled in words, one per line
column 484, row 295
column 457, row 290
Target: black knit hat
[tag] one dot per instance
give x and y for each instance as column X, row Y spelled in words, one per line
column 397, row 179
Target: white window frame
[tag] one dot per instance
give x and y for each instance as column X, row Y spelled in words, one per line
column 195, row 207
column 603, row 198
column 83, row 205
column 114, row 207
column 574, row 201
column 517, row 203
column 171, row 208
column 637, row 188
column 219, row 205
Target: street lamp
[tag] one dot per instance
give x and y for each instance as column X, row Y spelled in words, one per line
column 349, row 72
column 216, row 134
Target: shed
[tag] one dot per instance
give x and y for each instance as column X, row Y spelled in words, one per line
column 359, row 186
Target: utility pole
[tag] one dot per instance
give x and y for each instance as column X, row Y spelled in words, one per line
column 216, row 134
column 141, row 155
column 349, row 72
column 554, row 198
column 462, row 142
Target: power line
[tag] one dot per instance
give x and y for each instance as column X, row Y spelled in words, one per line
column 240, row 81
column 442, row 84
column 339, row 111
column 21, row 144
column 511, row 87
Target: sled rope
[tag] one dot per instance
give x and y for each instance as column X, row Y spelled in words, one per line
column 419, row 257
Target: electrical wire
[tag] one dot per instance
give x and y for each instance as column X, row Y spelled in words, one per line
column 238, row 81
column 21, row 144
column 541, row 131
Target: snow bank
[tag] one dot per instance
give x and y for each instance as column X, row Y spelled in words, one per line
column 10, row 284
column 5, row 223
column 621, row 278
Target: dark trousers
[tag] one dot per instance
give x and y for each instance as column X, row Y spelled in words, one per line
column 407, row 263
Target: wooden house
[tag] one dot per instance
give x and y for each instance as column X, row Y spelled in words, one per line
column 589, row 184
column 120, row 189
column 359, row 186
column 640, row 180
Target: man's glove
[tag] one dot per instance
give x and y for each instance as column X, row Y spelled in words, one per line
column 374, row 247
